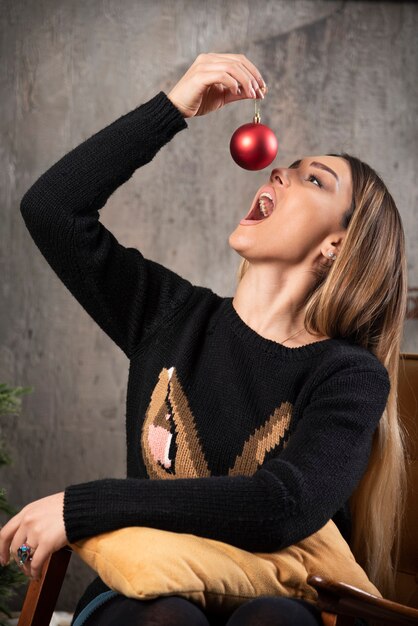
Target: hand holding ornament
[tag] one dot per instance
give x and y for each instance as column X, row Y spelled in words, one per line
column 213, row 81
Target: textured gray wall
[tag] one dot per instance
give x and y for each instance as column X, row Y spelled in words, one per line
column 342, row 76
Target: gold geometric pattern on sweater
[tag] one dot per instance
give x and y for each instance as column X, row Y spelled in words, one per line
column 170, row 442
column 262, row 441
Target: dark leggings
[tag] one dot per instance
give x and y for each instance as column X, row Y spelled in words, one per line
column 177, row 611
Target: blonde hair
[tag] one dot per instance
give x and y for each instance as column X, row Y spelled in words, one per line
column 362, row 297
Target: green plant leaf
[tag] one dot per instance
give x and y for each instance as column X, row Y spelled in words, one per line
column 10, row 398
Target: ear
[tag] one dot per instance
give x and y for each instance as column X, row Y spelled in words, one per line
column 331, row 245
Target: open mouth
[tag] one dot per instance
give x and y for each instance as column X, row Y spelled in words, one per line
column 262, row 207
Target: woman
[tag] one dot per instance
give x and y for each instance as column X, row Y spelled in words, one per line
column 297, row 372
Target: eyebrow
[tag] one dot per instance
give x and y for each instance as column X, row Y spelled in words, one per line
column 322, row 166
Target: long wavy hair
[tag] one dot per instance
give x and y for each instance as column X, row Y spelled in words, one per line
column 362, row 297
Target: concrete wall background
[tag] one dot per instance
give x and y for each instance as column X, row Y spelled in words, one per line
column 342, row 76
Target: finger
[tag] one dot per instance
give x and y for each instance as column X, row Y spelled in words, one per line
column 6, row 536
column 20, row 539
column 26, row 568
column 252, row 70
column 239, row 72
column 211, row 77
column 41, row 555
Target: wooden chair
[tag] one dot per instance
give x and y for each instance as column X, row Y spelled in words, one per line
column 340, row 603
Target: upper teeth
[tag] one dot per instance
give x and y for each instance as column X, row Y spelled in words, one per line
column 262, row 204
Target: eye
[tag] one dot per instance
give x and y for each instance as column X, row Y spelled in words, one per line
column 315, row 178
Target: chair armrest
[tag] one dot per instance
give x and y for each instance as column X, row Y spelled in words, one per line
column 342, row 599
column 41, row 596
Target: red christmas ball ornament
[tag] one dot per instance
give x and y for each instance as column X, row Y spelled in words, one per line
column 253, row 146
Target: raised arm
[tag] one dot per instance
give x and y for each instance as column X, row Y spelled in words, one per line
column 124, row 293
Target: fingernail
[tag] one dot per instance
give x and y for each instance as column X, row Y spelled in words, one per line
column 253, row 94
column 261, row 93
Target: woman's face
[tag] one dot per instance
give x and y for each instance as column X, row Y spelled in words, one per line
column 310, row 198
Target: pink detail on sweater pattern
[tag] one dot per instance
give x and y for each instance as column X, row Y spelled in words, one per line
column 159, row 440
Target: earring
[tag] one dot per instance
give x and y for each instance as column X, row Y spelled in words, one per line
column 332, row 255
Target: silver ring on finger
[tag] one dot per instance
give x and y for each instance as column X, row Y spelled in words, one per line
column 24, row 554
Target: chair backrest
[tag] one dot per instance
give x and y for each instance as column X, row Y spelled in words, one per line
column 407, row 572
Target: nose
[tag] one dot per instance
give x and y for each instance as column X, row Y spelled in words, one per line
column 279, row 177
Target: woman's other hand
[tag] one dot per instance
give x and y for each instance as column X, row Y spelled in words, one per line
column 213, row 81
column 39, row 524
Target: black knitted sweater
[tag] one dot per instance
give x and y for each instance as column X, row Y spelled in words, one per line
column 265, row 442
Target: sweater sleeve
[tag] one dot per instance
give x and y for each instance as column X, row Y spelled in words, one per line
column 124, row 293
column 290, row 497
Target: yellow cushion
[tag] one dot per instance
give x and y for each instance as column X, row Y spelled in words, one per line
column 146, row 563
